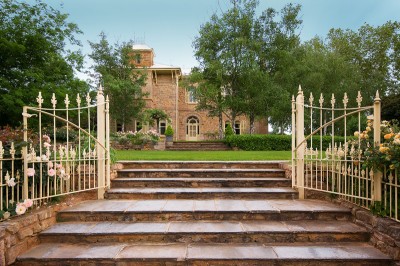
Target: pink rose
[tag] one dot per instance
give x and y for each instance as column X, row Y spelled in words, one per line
column 51, row 172
column 21, row 209
column 28, row 203
column 30, row 171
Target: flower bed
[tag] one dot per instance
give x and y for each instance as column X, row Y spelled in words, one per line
column 384, row 157
column 137, row 140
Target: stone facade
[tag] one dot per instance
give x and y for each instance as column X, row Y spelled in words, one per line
column 168, row 94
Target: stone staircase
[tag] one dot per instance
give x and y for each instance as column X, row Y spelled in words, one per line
column 198, row 146
column 203, row 213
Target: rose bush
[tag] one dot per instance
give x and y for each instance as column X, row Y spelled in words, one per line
column 386, row 155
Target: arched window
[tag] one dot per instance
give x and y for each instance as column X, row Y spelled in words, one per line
column 192, row 128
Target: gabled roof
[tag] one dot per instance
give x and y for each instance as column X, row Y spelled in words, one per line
column 161, row 66
column 141, row 47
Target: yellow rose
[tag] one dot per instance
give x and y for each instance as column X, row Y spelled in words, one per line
column 383, row 149
column 368, row 129
column 388, row 136
column 356, row 134
column 392, row 167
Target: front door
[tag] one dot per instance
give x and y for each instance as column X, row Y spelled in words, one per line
column 192, row 128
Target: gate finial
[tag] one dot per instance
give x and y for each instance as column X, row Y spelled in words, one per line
column 39, row 99
column 377, row 97
column 100, row 89
column 300, row 91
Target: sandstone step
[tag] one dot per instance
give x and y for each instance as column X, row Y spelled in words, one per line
column 206, row 232
column 172, row 148
column 194, row 210
column 200, row 164
column 198, row 146
column 202, row 193
column 194, row 182
column 354, row 254
column 203, row 172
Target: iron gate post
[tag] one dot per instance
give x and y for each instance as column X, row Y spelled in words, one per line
column 377, row 181
column 300, row 139
column 101, row 143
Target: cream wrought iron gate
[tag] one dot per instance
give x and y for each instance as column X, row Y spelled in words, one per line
column 48, row 167
column 337, row 164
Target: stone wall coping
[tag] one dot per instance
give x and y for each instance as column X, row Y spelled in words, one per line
column 226, row 162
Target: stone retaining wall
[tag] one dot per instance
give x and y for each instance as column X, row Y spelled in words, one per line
column 20, row 233
column 385, row 232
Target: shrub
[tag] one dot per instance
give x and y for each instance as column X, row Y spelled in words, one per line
column 169, row 131
column 275, row 142
column 137, row 137
column 260, row 142
column 229, row 131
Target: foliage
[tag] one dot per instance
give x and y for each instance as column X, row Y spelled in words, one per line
column 169, row 132
column 260, row 142
column 15, row 208
column 386, row 156
column 375, row 52
column 276, row 142
column 114, row 67
column 390, row 107
column 326, row 141
column 33, row 57
column 137, row 137
column 229, row 131
column 9, row 135
column 154, row 115
column 61, row 134
column 232, row 78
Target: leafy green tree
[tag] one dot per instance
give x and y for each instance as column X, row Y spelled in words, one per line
column 151, row 115
column 209, row 94
column 33, row 57
column 278, row 56
column 230, row 50
column 114, row 67
column 375, row 51
column 390, row 107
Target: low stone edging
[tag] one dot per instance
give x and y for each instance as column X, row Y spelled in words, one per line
column 385, row 232
column 20, row 233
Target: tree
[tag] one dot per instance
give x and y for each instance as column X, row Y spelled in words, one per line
column 375, row 51
column 151, row 115
column 390, row 107
column 33, row 57
column 114, row 67
column 229, row 51
column 209, row 94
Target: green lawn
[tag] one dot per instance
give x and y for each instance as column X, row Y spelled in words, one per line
column 203, row 155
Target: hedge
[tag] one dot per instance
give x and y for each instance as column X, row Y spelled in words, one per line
column 274, row 142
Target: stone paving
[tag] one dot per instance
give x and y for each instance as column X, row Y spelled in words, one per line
column 262, row 224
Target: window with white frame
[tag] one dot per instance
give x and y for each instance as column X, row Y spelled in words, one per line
column 190, row 95
column 162, row 126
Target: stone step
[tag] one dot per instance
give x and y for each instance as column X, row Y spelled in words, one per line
column 202, row 193
column 206, row 232
column 200, row 164
column 194, row 182
column 354, row 254
column 194, row 210
column 204, row 172
column 198, row 146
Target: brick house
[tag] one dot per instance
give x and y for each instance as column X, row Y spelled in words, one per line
column 166, row 93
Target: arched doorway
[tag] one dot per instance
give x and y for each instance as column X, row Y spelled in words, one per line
column 192, row 128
